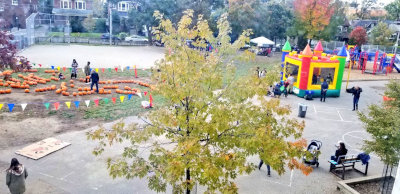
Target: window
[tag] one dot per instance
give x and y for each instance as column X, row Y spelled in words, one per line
column 65, row 4
column 14, row 2
column 80, row 5
column 321, row 74
column 292, row 70
column 123, row 6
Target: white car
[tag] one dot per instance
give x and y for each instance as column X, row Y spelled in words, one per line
column 135, row 38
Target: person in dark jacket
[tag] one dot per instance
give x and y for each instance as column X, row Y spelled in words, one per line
column 15, row 178
column 356, row 91
column 95, row 80
column 324, row 90
column 341, row 151
column 87, row 72
column 74, row 69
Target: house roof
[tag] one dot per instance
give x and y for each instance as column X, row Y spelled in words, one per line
column 363, row 23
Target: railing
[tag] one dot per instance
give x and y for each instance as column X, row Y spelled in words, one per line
column 95, row 41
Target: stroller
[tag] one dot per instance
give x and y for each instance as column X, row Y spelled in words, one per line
column 313, row 148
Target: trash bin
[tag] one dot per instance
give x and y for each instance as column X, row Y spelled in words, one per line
column 302, row 110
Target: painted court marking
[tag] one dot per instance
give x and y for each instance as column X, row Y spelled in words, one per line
column 288, row 185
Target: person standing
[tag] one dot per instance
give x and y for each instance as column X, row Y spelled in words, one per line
column 324, row 90
column 74, row 70
column 258, row 72
column 268, row 167
column 95, row 80
column 290, row 79
column 356, row 91
column 87, row 72
column 15, row 178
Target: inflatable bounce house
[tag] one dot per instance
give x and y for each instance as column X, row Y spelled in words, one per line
column 309, row 69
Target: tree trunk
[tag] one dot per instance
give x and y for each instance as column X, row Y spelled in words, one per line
column 150, row 35
column 187, row 179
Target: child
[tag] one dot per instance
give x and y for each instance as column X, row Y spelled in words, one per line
column 61, row 76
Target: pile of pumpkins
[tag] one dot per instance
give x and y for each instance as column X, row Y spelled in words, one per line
column 44, row 89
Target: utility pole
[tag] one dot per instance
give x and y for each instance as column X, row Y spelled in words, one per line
column 110, row 14
column 397, row 42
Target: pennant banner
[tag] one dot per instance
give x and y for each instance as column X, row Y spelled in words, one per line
column 68, row 104
column 139, row 94
column 77, row 104
column 10, row 107
column 40, row 65
column 116, row 69
column 64, row 69
column 129, row 96
column 102, row 69
column 97, row 70
column 96, row 102
column 151, row 100
column 47, row 105
column 1, row 106
column 56, row 105
column 52, row 67
column 122, row 69
column 23, row 106
column 105, row 100
column 87, row 102
column 127, row 67
column 83, row 70
column 145, row 93
column 122, row 98
column 113, row 99
column 58, row 68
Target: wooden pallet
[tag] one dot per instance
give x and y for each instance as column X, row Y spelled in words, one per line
column 42, row 148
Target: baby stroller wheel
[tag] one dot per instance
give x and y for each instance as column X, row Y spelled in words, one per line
column 317, row 164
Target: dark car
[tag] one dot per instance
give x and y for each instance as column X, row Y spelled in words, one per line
column 107, row 37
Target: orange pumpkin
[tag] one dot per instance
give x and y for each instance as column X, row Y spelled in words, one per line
column 8, row 91
column 74, row 93
column 26, row 90
column 58, row 91
column 79, row 89
column 72, row 85
column 80, row 93
column 71, row 81
column 84, row 93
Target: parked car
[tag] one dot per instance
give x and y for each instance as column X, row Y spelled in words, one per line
column 106, row 36
column 134, row 38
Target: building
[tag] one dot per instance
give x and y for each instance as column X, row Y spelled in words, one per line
column 73, row 7
column 123, row 7
column 13, row 13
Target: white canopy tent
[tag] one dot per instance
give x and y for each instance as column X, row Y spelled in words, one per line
column 262, row 41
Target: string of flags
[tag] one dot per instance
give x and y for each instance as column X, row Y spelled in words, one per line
column 57, row 105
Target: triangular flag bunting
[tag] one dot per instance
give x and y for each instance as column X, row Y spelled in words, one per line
column 87, row 102
column 1, row 106
column 96, row 102
column 109, row 69
column 97, row 70
column 122, row 69
column 113, row 99
column 64, row 69
column 105, row 100
column 68, row 104
column 116, row 69
column 40, row 65
column 23, row 106
column 83, row 70
column 47, row 105
column 58, row 68
column 151, row 100
column 52, row 67
column 77, row 104
column 127, row 67
column 56, row 105
column 122, row 98
column 145, row 93
column 129, row 96
column 139, row 94
column 102, row 69
column 10, row 107
column 34, row 64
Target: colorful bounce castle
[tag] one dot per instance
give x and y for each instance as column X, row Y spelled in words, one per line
column 310, row 69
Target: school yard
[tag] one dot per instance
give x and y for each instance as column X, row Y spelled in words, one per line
column 75, row 170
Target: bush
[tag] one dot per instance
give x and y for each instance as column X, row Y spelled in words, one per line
column 123, row 35
column 100, row 26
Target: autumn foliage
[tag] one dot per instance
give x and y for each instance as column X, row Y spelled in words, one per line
column 314, row 14
column 359, row 36
column 7, row 50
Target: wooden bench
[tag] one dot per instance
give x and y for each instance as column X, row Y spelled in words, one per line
column 345, row 162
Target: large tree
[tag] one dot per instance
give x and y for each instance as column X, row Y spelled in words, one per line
column 358, row 36
column 212, row 122
column 314, row 15
column 338, row 19
column 363, row 8
column 278, row 20
column 380, row 34
column 393, row 10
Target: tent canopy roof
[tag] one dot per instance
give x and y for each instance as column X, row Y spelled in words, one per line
column 260, row 41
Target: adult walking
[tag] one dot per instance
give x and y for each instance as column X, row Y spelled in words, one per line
column 15, row 178
column 290, row 79
column 268, row 167
column 324, row 90
column 74, row 70
column 87, row 72
column 95, row 80
column 356, row 91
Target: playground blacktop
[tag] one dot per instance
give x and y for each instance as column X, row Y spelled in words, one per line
column 75, row 170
